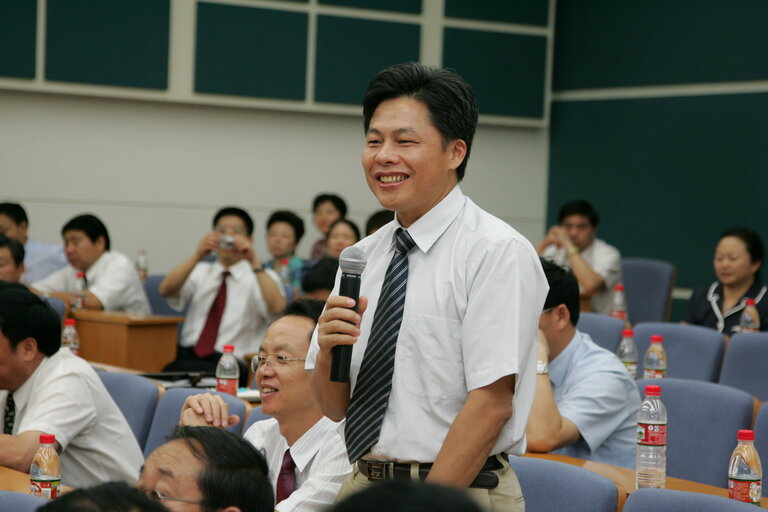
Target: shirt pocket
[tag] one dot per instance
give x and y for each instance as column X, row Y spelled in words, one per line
column 431, row 357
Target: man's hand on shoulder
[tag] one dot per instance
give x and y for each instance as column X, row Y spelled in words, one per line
column 206, row 409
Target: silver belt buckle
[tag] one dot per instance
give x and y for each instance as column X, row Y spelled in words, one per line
column 379, row 470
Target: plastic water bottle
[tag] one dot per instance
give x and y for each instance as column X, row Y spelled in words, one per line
column 655, row 362
column 142, row 265
column 651, row 463
column 750, row 318
column 227, row 372
column 627, row 352
column 78, row 299
column 619, row 303
column 285, row 272
column 69, row 337
column 45, row 472
column 745, row 474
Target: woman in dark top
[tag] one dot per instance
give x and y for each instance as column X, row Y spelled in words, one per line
column 738, row 257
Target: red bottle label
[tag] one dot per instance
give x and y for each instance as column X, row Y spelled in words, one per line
column 227, row 386
column 747, row 491
column 48, row 489
column 654, row 374
column 621, row 315
column 651, row 434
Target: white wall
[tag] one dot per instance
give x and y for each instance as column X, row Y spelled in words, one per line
column 156, row 172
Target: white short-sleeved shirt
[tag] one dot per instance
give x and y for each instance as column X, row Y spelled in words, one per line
column 245, row 318
column 66, row 398
column 112, row 279
column 41, row 260
column 603, row 259
column 593, row 389
column 474, row 295
column 321, row 462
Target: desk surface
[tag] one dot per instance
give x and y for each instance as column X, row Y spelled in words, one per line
column 12, row 480
column 115, row 317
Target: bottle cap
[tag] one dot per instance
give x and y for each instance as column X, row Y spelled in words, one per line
column 69, row 321
column 284, row 262
column 628, row 333
column 653, row 390
column 619, row 287
column 229, row 348
column 745, row 435
column 47, row 438
column 656, row 338
column 749, row 301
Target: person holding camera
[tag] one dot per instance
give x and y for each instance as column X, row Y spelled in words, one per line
column 231, row 300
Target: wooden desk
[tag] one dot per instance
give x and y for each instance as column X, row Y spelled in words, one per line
column 625, row 478
column 140, row 342
column 16, row 481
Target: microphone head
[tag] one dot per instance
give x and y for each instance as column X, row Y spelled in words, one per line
column 352, row 260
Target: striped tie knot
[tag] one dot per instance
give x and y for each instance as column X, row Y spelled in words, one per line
column 403, row 241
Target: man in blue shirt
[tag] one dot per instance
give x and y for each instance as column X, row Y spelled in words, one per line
column 586, row 402
column 40, row 259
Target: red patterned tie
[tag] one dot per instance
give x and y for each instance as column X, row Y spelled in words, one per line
column 210, row 330
column 286, row 480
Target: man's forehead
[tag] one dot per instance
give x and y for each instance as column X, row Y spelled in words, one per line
column 73, row 234
column 290, row 332
column 173, row 459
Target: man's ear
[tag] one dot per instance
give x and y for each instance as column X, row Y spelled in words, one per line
column 458, row 149
column 27, row 349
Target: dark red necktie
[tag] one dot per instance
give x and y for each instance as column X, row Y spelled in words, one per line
column 210, row 331
column 286, row 480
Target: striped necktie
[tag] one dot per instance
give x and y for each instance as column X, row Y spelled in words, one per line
column 10, row 414
column 374, row 382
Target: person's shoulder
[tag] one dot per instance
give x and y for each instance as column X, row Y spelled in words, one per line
column 482, row 225
column 606, row 248
column 597, row 359
column 261, row 429
column 116, row 259
column 64, row 364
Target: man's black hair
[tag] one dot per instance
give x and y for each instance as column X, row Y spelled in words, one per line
column 408, row 496
column 237, row 212
column 349, row 223
column 15, row 247
column 579, row 207
column 308, row 308
column 449, row 99
column 15, row 212
column 235, row 474
column 377, row 220
column 292, row 219
column 25, row 315
column 337, row 202
column 322, row 275
column 563, row 289
column 89, row 224
column 753, row 242
column 108, row 497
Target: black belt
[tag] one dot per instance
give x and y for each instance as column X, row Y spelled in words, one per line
column 379, row 470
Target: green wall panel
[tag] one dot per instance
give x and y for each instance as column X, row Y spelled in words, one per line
column 248, row 51
column 348, row 56
column 667, row 175
column 18, row 29
column 406, row 6
column 108, row 42
column 525, row 12
column 605, row 43
column 506, row 70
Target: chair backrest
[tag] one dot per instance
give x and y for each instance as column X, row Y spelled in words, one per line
column 20, row 502
column 664, row 500
column 603, row 329
column 58, row 306
column 555, row 486
column 761, row 440
column 169, row 410
column 702, row 421
column 746, row 364
column 255, row 415
column 157, row 303
column 136, row 397
column 648, row 288
column 693, row 352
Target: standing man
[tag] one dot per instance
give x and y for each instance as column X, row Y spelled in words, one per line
column 574, row 245
column 443, row 364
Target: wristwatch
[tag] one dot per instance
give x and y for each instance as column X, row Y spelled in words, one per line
column 573, row 250
column 542, row 368
column 258, row 269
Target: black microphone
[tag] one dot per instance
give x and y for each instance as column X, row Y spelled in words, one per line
column 352, row 262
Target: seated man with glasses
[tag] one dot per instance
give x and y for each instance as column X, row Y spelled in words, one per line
column 231, row 300
column 206, row 469
column 305, row 452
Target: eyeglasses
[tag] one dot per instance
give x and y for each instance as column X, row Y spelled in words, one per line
column 548, row 310
column 224, row 230
column 278, row 361
column 158, row 496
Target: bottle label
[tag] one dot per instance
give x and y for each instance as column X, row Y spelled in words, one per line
column 48, row 489
column 746, row 329
column 654, row 374
column 227, row 386
column 652, row 434
column 631, row 367
column 621, row 315
column 745, row 490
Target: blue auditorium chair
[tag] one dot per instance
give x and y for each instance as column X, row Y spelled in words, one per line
column 665, row 500
column 693, row 352
column 136, row 397
column 603, row 329
column 761, row 440
column 19, row 502
column 648, row 288
column 255, row 415
column 745, row 365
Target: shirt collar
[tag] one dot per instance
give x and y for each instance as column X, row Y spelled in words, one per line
column 21, row 395
column 559, row 366
column 94, row 269
column 307, row 446
column 237, row 271
column 430, row 226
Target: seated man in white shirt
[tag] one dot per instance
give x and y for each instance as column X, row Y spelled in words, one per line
column 41, row 259
column 231, row 301
column 46, row 389
column 316, row 446
column 586, row 402
column 11, row 260
column 111, row 283
column 574, row 245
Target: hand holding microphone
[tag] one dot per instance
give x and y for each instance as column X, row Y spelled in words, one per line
column 352, row 263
